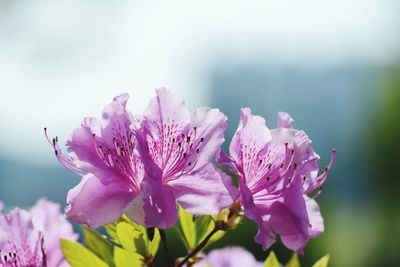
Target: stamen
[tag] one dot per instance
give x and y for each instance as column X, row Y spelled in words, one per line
column 318, row 181
column 47, row 137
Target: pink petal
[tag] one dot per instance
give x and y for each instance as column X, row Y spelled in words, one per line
column 165, row 119
column 83, row 145
column 288, row 217
column 250, row 139
column 115, row 119
column 205, row 192
column 315, row 218
column 82, row 149
column 210, row 126
column 265, row 236
column 284, row 120
column 47, row 217
column 224, row 159
column 96, row 204
column 135, row 210
column 229, row 257
column 166, row 108
column 159, row 204
column 18, row 235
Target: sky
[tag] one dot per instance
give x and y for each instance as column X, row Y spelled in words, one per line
column 64, row 60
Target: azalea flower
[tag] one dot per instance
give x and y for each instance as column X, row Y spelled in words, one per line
column 277, row 170
column 229, row 257
column 176, row 149
column 104, row 153
column 33, row 238
column 48, row 219
column 145, row 166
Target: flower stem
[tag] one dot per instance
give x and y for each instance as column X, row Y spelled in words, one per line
column 165, row 247
column 199, row 247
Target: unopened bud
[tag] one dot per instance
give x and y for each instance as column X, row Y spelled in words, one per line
column 230, row 217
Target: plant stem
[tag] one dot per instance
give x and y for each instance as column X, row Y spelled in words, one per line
column 199, row 247
column 165, row 247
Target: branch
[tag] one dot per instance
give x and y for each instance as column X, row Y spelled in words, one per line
column 199, row 247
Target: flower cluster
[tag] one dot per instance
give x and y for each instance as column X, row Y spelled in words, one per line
column 146, row 165
column 31, row 238
column 142, row 174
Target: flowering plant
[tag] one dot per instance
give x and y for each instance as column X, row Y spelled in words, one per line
column 143, row 174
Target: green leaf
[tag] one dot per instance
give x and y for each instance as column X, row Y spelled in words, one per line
column 187, row 229
column 323, row 262
column 131, row 239
column 99, row 245
column 134, row 238
column 294, row 261
column 203, row 226
column 271, row 261
column 192, row 230
column 111, row 230
column 124, row 258
column 152, row 246
column 79, row 256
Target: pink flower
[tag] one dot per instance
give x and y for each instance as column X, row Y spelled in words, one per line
column 145, row 166
column 176, row 149
column 33, row 238
column 229, row 257
column 277, row 169
column 104, row 152
column 47, row 218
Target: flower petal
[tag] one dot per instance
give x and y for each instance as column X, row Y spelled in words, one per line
column 315, row 218
column 18, row 235
column 251, row 136
column 229, row 257
column 224, row 159
column 135, row 210
column 116, row 120
column 96, row 204
column 82, row 149
column 284, row 120
column 83, row 145
column 265, row 236
column 160, row 140
column 159, row 204
column 289, row 219
column 210, row 125
column 205, row 192
column 47, row 217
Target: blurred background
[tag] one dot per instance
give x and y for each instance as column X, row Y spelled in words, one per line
column 333, row 65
